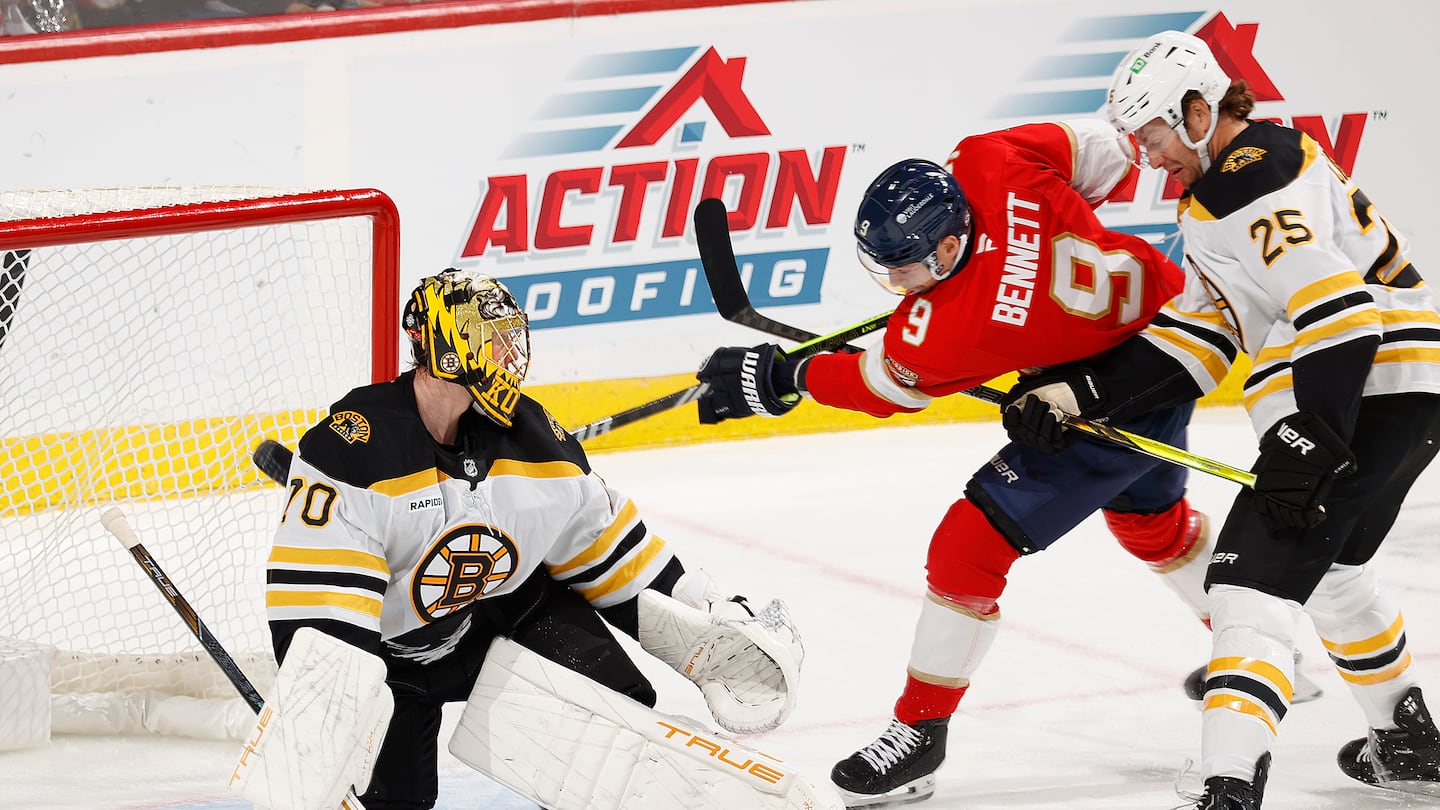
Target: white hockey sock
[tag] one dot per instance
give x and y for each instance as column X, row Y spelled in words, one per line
column 951, row 639
column 1364, row 633
column 1252, row 665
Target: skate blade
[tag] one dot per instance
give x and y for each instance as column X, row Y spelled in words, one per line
column 909, row 793
column 1306, row 690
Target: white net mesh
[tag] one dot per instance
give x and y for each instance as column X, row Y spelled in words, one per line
column 142, row 371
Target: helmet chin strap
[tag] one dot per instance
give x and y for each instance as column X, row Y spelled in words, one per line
column 1202, row 146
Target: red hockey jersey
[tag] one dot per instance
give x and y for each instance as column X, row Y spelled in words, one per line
column 1045, row 283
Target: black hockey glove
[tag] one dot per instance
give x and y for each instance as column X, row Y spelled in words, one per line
column 1034, row 408
column 1300, row 458
column 743, row 382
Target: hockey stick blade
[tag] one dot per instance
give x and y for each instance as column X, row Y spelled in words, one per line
column 712, row 233
column 273, row 459
column 722, row 273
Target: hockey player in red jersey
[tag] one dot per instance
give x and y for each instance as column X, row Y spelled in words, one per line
column 1003, row 266
column 431, row 514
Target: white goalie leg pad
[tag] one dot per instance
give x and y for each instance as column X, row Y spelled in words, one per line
column 568, row 743
column 747, row 666
column 320, row 731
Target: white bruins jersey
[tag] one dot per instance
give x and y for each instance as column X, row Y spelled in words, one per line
column 386, row 533
column 1286, row 257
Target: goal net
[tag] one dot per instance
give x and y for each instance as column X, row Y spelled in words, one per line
column 150, row 338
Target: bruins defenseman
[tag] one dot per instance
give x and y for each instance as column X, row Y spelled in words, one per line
column 429, row 515
column 1295, row 266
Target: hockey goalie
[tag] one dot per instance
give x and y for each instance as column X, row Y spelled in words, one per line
column 445, row 540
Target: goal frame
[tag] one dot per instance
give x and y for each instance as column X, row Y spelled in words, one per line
column 200, row 713
column 283, row 207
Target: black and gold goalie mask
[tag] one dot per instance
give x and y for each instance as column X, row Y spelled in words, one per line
column 466, row 328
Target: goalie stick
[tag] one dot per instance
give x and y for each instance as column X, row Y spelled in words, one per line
column 722, row 272
column 273, row 458
column 114, row 521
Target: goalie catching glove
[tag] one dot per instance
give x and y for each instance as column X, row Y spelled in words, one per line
column 758, row 381
column 746, row 663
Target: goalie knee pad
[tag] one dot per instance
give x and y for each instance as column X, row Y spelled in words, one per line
column 747, row 664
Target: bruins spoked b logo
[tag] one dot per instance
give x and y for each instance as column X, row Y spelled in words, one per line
column 466, row 563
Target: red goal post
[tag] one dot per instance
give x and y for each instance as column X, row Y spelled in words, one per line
column 150, row 337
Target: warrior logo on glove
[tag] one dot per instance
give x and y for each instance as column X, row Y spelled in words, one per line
column 740, row 382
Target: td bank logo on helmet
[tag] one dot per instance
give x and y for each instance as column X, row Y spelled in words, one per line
column 608, row 170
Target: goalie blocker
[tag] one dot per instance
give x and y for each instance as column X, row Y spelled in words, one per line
column 568, row 743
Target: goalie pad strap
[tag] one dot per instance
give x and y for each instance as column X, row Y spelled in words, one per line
column 319, row 731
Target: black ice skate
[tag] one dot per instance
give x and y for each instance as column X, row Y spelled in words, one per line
column 1229, row 793
column 1305, row 690
column 899, row 768
column 1405, row 758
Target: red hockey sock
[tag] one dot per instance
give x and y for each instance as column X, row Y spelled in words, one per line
column 926, row 701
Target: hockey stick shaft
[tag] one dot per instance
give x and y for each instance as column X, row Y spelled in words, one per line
column 1137, row 443
column 114, row 521
column 814, row 344
column 273, row 458
column 722, row 272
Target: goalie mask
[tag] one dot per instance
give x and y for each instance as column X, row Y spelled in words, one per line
column 466, row 328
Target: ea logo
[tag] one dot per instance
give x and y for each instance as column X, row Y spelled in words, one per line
column 466, row 563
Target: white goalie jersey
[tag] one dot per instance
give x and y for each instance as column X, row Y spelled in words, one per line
column 386, row 534
column 1287, row 258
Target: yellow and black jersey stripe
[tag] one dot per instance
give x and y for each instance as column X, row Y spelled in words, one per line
column 387, row 534
column 1288, row 261
column 351, row 446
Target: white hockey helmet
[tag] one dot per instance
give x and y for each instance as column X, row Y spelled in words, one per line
column 1153, row 80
